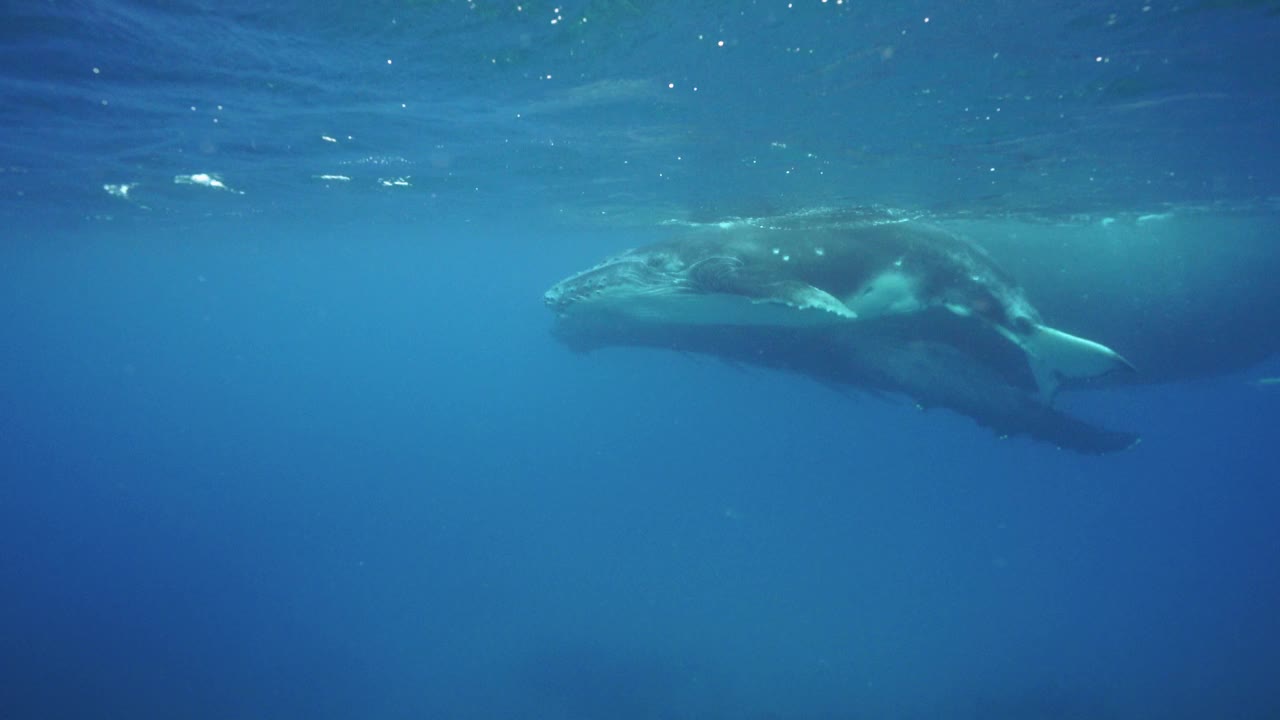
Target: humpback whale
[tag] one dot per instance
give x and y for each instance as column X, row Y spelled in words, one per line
column 899, row 307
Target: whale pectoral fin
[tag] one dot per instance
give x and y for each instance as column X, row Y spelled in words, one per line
column 804, row 296
column 1057, row 357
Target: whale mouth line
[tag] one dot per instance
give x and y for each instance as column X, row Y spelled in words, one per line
column 621, row 278
column 553, row 298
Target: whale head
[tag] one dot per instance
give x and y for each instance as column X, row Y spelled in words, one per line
column 620, row 280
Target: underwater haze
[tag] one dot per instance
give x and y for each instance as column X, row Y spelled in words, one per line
column 285, row 432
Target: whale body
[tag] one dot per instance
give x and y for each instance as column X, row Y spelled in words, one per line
column 897, row 307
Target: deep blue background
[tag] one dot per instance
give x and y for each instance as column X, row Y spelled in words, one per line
column 305, row 448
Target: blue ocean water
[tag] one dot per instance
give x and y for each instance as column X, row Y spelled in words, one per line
column 284, row 433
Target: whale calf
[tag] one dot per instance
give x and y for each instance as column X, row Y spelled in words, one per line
column 898, row 307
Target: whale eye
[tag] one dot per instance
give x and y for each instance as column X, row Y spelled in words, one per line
column 1022, row 325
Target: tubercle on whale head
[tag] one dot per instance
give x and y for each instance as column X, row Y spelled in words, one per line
column 630, row 273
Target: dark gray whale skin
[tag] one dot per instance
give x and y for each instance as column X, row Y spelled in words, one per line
column 993, row 388
column 952, row 329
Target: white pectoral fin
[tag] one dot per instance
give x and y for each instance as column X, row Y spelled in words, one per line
column 1057, row 357
column 803, row 296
